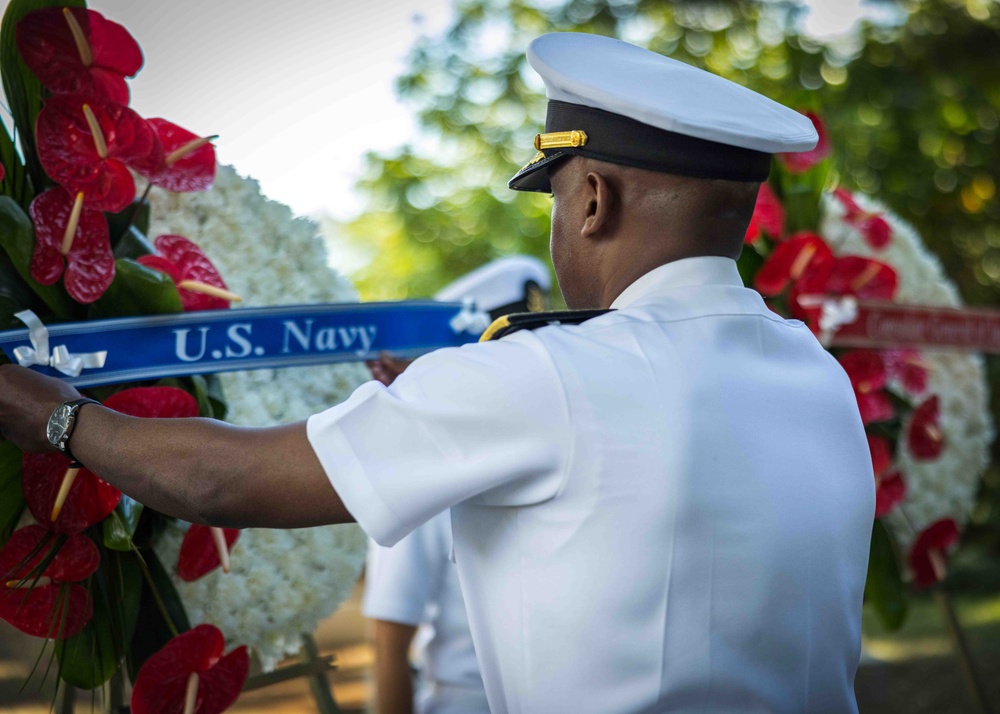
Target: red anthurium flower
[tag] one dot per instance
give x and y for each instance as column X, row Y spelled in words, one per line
column 83, row 497
column 71, row 240
column 924, row 435
column 78, row 51
column 929, row 554
column 874, row 407
column 865, row 278
column 3, row 172
column 198, row 282
column 801, row 161
column 184, row 161
column 876, row 231
column 865, row 369
column 768, row 216
column 799, row 255
column 46, row 604
column 909, row 367
column 84, row 143
column 873, row 227
column 71, row 500
column 191, row 674
column 881, row 452
column 200, row 551
column 153, row 403
column 890, row 490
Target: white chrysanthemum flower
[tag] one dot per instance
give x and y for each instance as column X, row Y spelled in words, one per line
column 282, row 583
column 945, row 487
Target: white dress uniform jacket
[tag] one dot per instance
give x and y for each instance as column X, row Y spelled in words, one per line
column 415, row 583
column 669, row 503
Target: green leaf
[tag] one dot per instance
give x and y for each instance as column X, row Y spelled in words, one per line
column 120, row 526
column 134, row 244
column 884, row 587
column 749, row 263
column 17, row 238
column 206, row 389
column 88, row 659
column 154, row 632
column 15, row 181
column 23, row 90
column 11, row 494
column 137, row 290
column 15, row 295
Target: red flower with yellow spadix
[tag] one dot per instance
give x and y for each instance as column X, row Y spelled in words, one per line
column 203, row 550
column 923, row 434
column 46, row 603
column 768, row 216
column 799, row 255
column 190, row 675
column 872, row 226
column 198, row 281
column 183, row 162
column 929, row 554
column 86, row 144
column 801, row 161
column 69, row 500
column 71, row 242
column 890, row 490
column 868, row 375
column 78, row 51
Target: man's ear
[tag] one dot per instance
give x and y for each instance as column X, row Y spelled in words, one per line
column 600, row 206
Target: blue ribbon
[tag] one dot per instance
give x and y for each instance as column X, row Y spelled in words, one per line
column 142, row 348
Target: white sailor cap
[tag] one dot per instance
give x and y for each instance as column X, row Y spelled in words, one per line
column 515, row 283
column 623, row 104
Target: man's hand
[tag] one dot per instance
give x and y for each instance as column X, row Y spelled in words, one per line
column 27, row 400
column 386, row 368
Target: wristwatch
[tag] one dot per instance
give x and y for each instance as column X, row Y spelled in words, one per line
column 61, row 423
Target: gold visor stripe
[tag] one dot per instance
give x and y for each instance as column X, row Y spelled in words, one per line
column 561, row 139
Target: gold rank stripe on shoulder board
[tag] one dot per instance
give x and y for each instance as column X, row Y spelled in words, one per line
column 509, row 324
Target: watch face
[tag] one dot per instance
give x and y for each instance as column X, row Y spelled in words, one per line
column 58, row 425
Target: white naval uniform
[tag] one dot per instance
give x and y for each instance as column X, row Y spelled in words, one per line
column 671, row 502
column 415, row 583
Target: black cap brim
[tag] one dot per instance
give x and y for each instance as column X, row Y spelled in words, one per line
column 534, row 176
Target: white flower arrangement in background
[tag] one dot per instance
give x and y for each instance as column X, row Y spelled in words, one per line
column 944, row 487
column 282, row 583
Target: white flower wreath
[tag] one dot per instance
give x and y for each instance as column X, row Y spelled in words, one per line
column 945, row 487
column 282, row 582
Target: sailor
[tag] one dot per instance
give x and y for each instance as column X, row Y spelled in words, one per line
column 667, row 505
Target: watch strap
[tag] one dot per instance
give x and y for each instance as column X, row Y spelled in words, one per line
column 74, row 405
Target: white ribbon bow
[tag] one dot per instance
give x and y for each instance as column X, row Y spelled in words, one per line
column 469, row 319
column 835, row 313
column 61, row 358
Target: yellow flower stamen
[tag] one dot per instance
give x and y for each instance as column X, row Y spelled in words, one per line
column 191, row 693
column 82, row 46
column 95, row 130
column 220, row 545
column 64, row 487
column 866, row 276
column 802, row 261
column 181, row 151
column 196, row 286
column 29, row 583
column 938, row 563
column 72, row 224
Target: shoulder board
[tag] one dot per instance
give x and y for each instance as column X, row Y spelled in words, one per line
column 509, row 324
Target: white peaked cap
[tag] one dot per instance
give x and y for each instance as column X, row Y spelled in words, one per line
column 654, row 112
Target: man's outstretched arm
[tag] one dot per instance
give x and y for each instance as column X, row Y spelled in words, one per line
column 200, row 470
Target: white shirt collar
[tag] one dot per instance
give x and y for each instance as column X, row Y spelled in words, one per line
column 703, row 270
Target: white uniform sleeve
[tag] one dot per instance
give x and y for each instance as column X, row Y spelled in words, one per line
column 487, row 422
column 401, row 581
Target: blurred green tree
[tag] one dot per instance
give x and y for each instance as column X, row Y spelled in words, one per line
column 912, row 108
